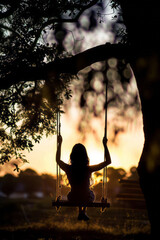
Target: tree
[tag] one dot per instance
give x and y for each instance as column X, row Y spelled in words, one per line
column 133, row 174
column 31, row 89
column 31, row 180
column 32, row 84
column 8, row 184
column 48, row 184
column 35, row 74
column 142, row 21
column 113, row 186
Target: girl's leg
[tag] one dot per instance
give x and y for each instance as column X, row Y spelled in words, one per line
column 82, row 214
column 84, row 210
column 80, row 210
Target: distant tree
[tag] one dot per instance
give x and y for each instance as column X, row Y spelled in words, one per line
column 98, row 175
column 8, row 184
column 114, row 176
column 97, row 188
column 48, row 184
column 133, row 174
column 113, row 186
column 31, row 180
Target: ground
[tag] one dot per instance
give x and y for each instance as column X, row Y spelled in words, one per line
column 36, row 219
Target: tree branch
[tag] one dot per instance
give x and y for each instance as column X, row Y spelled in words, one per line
column 13, row 31
column 70, row 65
column 13, row 7
column 63, row 20
column 78, row 62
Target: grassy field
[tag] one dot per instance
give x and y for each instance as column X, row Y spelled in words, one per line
column 37, row 220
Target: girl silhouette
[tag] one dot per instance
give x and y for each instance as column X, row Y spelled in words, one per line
column 79, row 173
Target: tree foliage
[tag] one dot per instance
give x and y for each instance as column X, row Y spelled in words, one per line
column 35, row 73
column 29, row 99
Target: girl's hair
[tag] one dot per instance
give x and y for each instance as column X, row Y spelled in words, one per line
column 79, row 156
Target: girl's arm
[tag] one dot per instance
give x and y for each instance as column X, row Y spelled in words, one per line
column 58, row 155
column 107, row 154
column 107, row 161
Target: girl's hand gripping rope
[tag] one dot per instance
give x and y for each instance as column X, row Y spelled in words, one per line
column 59, row 139
column 106, row 151
column 105, row 140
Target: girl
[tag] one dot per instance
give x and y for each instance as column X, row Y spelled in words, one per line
column 79, row 174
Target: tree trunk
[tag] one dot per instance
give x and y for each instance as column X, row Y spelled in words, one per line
column 143, row 24
column 147, row 73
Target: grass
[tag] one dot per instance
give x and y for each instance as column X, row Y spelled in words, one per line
column 36, row 219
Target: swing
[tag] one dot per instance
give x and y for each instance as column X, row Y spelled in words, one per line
column 103, row 204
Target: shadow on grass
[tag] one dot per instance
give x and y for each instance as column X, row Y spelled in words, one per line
column 37, row 220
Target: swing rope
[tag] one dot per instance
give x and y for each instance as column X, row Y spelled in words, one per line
column 58, row 170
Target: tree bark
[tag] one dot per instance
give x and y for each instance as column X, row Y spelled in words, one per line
column 143, row 24
column 149, row 164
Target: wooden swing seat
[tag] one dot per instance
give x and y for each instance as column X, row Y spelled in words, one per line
column 65, row 203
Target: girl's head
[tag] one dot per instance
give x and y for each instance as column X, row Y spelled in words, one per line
column 79, row 156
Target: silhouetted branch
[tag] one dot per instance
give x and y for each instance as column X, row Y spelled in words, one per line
column 13, row 31
column 53, row 20
column 13, row 6
column 70, row 65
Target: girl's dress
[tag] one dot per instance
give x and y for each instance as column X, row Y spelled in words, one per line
column 79, row 179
